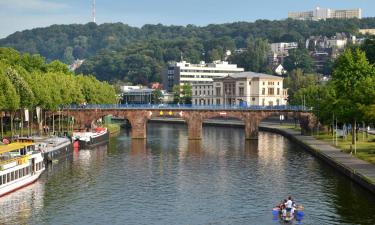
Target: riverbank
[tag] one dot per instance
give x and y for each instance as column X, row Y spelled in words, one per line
column 358, row 170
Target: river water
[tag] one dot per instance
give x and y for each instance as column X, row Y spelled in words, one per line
column 167, row 179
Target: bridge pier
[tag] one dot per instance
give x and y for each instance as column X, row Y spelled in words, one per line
column 194, row 122
column 307, row 123
column 138, row 127
column 251, row 129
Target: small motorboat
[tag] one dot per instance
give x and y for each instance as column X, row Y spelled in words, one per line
column 282, row 214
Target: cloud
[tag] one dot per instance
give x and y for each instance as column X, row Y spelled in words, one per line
column 35, row 5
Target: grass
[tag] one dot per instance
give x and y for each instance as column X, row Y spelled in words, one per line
column 290, row 126
column 113, row 127
column 365, row 146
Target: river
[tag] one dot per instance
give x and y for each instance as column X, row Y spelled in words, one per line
column 167, row 179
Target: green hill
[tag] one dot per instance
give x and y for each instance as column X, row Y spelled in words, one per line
column 117, row 51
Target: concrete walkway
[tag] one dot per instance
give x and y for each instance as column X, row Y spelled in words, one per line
column 359, row 170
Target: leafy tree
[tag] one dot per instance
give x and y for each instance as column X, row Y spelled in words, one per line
column 177, row 94
column 22, row 88
column 299, row 59
column 296, row 81
column 156, row 96
column 353, row 80
column 68, row 55
column 369, row 48
column 255, row 58
column 9, row 100
column 187, row 93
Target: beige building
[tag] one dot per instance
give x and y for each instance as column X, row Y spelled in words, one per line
column 243, row 89
column 322, row 14
column 367, row 31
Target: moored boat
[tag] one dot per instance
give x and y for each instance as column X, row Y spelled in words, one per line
column 20, row 165
column 88, row 140
column 54, row 148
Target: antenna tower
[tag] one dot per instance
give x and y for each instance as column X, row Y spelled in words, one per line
column 94, row 11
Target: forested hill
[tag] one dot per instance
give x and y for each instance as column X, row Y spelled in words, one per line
column 114, row 50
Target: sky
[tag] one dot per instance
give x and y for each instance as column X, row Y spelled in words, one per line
column 18, row 15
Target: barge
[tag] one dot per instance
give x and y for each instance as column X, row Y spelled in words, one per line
column 87, row 140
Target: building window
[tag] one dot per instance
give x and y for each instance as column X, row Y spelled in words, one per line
column 263, row 102
column 263, row 91
column 271, row 91
column 241, row 89
column 253, row 99
column 249, row 82
column 278, row 91
column 196, row 101
column 217, row 101
column 277, row 102
column 264, row 83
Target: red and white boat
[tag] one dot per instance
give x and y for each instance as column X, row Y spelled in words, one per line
column 20, row 165
column 87, row 140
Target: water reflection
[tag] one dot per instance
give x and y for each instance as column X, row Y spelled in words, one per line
column 19, row 206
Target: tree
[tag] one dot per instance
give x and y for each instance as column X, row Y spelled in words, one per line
column 68, row 55
column 353, row 80
column 296, row 81
column 176, row 94
column 299, row 59
column 255, row 58
column 156, row 96
column 369, row 48
column 187, row 93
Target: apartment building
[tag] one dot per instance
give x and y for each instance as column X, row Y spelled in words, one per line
column 180, row 73
column 325, row 13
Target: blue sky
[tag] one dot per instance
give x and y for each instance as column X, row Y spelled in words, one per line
column 17, row 15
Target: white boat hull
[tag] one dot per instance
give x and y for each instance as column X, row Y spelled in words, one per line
column 19, row 183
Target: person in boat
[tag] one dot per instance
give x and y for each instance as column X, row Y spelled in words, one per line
column 289, row 204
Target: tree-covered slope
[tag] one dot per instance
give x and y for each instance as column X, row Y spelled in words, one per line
column 117, row 51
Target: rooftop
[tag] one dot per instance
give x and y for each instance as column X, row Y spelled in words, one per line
column 13, row 146
column 251, row 75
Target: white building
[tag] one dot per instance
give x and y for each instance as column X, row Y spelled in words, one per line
column 282, row 48
column 322, row 14
column 180, row 73
column 246, row 89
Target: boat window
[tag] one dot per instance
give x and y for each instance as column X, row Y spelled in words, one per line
column 12, row 175
column 1, row 180
column 27, row 170
column 4, row 179
column 8, row 177
column 16, row 174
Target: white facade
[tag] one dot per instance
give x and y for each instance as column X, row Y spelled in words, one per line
column 181, row 73
column 283, row 47
column 246, row 89
column 323, row 13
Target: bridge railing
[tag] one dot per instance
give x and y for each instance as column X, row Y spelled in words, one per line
column 188, row 106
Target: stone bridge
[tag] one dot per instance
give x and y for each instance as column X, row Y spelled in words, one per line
column 194, row 118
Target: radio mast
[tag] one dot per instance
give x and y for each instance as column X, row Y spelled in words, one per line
column 94, row 11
